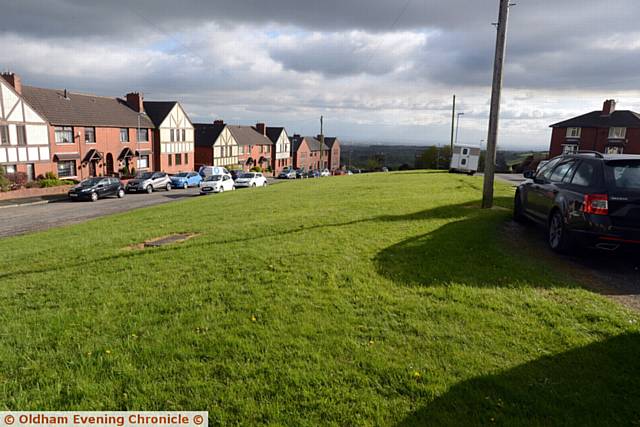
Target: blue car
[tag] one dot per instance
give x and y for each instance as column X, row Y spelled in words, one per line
column 185, row 180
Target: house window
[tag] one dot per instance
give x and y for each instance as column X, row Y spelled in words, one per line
column 170, row 160
column 22, row 134
column 143, row 162
column 4, row 134
column 614, row 150
column 184, row 135
column 143, row 135
column 124, row 134
column 569, row 148
column 10, row 169
column 178, row 159
column 186, row 158
column 573, row 132
column 90, row 135
column 617, row 133
column 172, row 135
column 67, row 168
column 64, row 134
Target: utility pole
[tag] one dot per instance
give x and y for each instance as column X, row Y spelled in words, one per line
column 492, row 138
column 453, row 120
column 321, row 167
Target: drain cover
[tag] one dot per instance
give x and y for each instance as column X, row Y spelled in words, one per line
column 168, row 240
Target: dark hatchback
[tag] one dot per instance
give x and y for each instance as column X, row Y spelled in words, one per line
column 96, row 188
column 586, row 199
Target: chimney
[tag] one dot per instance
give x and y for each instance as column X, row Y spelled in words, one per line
column 218, row 122
column 261, row 128
column 608, row 107
column 14, row 80
column 135, row 101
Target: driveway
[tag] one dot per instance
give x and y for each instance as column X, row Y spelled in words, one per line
column 26, row 219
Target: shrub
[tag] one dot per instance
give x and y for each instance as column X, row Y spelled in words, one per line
column 5, row 184
column 256, row 169
column 50, row 175
column 17, row 179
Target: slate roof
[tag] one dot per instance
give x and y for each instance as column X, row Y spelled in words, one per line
column 329, row 141
column 82, row 110
column 312, row 142
column 247, row 135
column 273, row 133
column 595, row 119
column 158, row 110
column 206, row 134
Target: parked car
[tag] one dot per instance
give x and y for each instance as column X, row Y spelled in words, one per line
column 325, row 172
column 586, row 199
column 300, row 174
column 235, row 173
column 251, row 179
column 149, row 182
column 312, row 174
column 212, row 170
column 185, row 180
column 288, row 174
column 96, row 188
column 216, row 184
column 541, row 164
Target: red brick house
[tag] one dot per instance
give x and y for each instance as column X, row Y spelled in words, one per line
column 606, row 131
column 334, row 152
column 254, row 148
column 92, row 135
column 306, row 153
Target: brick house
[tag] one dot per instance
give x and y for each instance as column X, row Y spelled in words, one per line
column 281, row 153
column 254, row 148
column 92, row 135
column 173, row 146
column 24, row 137
column 307, row 151
column 606, row 131
column 334, row 152
column 215, row 145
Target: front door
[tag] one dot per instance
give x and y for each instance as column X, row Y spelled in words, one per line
column 31, row 172
column 92, row 168
column 109, row 164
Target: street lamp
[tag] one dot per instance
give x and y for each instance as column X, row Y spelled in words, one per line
column 457, row 124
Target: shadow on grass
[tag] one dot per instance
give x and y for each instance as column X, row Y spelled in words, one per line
column 598, row 384
column 470, row 250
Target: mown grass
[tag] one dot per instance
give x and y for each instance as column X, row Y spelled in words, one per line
column 384, row 299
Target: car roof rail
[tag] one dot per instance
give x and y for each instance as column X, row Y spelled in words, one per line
column 595, row 153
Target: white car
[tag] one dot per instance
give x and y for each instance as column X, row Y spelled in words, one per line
column 325, row 172
column 216, row 184
column 251, row 179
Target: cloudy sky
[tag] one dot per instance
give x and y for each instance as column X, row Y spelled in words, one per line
column 378, row 70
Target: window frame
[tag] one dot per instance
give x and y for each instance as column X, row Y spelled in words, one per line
column 571, row 134
column 122, row 132
column 617, row 133
column 21, row 135
column 575, row 148
column 74, row 170
column 5, row 139
column 142, row 131
column 60, row 131
column 92, row 131
column 138, row 164
column 178, row 159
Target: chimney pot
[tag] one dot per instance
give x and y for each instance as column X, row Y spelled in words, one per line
column 608, row 107
column 218, row 122
column 14, row 80
column 135, row 101
column 261, row 128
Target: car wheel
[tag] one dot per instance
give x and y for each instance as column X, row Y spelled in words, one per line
column 253, row 185
column 221, row 190
column 120, row 193
column 185, row 186
column 94, row 197
column 149, row 189
column 559, row 239
column 518, row 210
column 265, row 184
column 167, row 187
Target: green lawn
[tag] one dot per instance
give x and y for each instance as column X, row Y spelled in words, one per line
column 382, row 299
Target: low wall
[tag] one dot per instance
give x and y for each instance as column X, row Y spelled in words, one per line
column 34, row 192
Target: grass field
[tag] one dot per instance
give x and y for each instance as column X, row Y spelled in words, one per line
column 382, row 299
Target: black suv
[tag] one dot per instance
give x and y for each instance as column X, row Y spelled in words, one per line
column 95, row 188
column 586, row 198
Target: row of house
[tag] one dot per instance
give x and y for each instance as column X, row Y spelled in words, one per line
column 78, row 135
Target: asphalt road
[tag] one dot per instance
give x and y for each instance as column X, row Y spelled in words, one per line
column 27, row 219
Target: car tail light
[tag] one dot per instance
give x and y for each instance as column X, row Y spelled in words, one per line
column 596, row 204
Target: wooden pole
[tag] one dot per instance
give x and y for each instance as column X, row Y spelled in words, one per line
column 453, row 120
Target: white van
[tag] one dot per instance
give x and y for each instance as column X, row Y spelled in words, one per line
column 465, row 159
column 206, row 171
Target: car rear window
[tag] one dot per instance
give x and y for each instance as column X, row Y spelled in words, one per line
column 584, row 175
column 560, row 172
column 625, row 174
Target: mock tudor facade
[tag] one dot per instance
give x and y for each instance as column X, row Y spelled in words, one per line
column 605, row 131
column 173, row 148
column 24, row 138
column 215, row 145
column 281, row 152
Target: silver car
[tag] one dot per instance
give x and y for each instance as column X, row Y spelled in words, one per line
column 149, row 181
